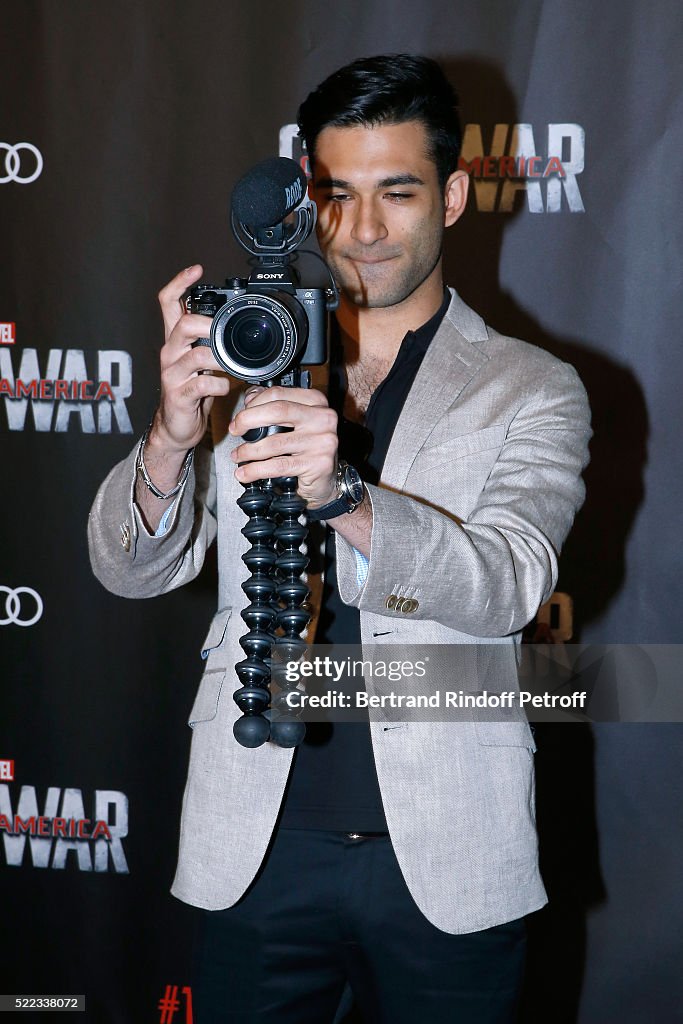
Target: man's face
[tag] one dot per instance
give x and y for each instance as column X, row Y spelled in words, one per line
column 381, row 211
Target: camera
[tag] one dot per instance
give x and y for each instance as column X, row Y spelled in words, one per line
column 265, row 327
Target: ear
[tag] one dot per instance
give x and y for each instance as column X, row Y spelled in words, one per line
column 455, row 196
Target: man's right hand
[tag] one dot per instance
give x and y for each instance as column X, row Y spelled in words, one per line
column 186, row 394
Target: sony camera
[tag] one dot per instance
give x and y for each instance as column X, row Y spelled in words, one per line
column 267, row 326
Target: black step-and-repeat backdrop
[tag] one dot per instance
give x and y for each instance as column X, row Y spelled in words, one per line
column 122, row 129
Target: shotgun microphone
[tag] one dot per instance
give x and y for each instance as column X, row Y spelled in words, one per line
column 267, row 193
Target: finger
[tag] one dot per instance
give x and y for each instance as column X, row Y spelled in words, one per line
column 196, row 388
column 302, row 396
column 174, row 383
column 251, row 393
column 180, row 342
column 310, row 419
column 170, row 296
column 187, row 360
column 318, row 447
column 309, row 471
column 189, row 327
column 283, row 465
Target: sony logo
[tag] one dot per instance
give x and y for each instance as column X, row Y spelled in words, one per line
column 269, row 277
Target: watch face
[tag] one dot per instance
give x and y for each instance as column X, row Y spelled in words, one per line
column 353, row 485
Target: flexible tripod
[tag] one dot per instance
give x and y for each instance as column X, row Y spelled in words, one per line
column 276, row 614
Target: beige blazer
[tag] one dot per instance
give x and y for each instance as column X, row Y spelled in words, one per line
column 479, row 489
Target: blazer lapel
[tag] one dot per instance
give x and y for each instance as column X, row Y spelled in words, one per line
column 451, row 361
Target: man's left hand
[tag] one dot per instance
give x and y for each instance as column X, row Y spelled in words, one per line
column 308, row 450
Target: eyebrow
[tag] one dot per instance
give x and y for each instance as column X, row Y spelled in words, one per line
column 395, row 179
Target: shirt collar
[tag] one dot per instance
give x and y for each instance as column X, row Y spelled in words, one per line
column 415, row 343
column 422, row 337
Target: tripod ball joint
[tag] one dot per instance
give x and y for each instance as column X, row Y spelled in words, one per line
column 252, row 699
column 251, row 730
column 287, row 734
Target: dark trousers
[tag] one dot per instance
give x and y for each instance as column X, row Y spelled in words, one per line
column 326, row 910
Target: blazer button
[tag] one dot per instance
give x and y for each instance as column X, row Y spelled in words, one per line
column 410, row 605
column 391, row 602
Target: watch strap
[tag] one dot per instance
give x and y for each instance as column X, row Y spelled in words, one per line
column 331, row 510
column 348, row 481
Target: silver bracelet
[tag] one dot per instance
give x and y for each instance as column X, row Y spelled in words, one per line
column 142, row 469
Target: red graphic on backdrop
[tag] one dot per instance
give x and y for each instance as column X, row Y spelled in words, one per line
column 543, row 164
column 68, row 385
column 7, row 771
column 169, row 1005
column 512, row 167
column 45, row 390
column 82, row 828
column 55, row 831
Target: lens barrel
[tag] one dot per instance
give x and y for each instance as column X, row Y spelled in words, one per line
column 257, row 336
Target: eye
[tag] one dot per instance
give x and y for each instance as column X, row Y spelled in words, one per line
column 338, row 197
column 399, row 197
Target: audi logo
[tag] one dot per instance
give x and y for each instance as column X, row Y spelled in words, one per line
column 23, row 606
column 14, row 163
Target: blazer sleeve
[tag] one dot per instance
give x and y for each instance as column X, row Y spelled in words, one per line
column 485, row 575
column 125, row 557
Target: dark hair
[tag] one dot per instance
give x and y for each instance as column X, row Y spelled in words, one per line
column 388, row 89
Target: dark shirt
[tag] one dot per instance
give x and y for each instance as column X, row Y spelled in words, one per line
column 333, row 784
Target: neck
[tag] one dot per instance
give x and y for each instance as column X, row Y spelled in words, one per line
column 374, row 333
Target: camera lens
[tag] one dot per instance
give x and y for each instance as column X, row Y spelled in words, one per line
column 258, row 337
column 255, row 339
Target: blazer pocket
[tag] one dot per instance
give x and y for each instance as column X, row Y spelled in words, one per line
column 505, row 734
column 477, row 441
column 215, row 653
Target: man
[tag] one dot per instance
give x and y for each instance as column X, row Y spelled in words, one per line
column 402, row 860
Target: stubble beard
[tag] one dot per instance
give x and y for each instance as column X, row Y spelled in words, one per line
column 377, row 286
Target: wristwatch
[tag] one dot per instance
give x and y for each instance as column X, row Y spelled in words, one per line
column 350, row 491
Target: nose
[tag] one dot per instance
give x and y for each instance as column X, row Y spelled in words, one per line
column 368, row 225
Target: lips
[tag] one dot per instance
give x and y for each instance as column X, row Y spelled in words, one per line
column 370, row 260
